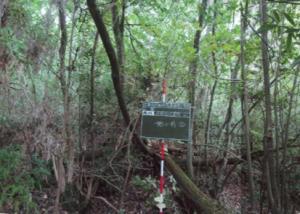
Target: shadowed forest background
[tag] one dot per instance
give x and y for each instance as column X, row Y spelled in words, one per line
column 74, row 75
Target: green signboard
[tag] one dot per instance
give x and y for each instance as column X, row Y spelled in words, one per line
column 166, row 121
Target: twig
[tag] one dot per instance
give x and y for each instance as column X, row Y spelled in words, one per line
column 107, row 203
column 107, row 181
column 129, row 168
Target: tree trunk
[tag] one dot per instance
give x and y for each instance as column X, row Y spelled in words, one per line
column 115, row 67
column 269, row 169
column 62, row 78
column 278, row 139
column 218, row 180
column 92, row 95
column 245, row 107
column 192, row 91
column 212, row 94
column 203, row 203
column 118, row 29
column 286, row 135
column 276, row 121
column 3, row 12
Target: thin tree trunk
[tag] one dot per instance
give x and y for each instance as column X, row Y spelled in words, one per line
column 192, row 91
column 219, row 178
column 276, row 120
column 286, row 135
column 212, row 94
column 91, row 125
column 233, row 77
column 207, row 127
column 92, row 94
column 227, row 140
column 245, row 101
column 62, row 78
column 272, row 190
column 67, row 100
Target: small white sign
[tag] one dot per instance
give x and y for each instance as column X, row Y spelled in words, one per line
column 148, row 113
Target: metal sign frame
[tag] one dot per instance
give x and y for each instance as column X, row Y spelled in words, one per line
column 184, row 110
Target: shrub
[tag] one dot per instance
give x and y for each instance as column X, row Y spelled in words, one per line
column 17, row 182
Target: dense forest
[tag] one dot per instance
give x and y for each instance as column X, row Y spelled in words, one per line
column 74, row 77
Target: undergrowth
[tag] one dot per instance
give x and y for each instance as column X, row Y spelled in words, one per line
column 17, row 180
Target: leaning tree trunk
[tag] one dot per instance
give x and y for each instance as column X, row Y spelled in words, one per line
column 115, row 67
column 118, row 20
column 202, row 202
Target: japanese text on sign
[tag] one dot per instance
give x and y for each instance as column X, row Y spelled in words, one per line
column 170, row 121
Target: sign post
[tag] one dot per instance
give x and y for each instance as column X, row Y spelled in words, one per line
column 162, row 153
column 165, row 121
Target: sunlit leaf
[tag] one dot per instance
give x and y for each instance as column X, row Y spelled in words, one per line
column 289, row 18
column 276, row 15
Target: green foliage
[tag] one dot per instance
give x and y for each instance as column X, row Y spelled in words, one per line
column 147, row 184
column 158, row 42
column 289, row 18
column 17, row 182
column 39, row 171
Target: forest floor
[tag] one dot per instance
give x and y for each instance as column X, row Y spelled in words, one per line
column 108, row 194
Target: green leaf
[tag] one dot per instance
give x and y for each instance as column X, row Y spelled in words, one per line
column 292, row 30
column 289, row 18
column 276, row 16
column 289, row 42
